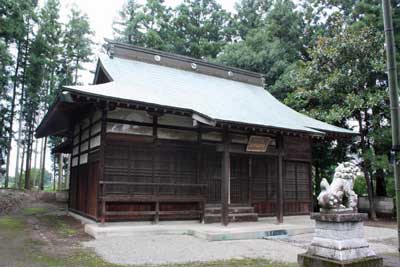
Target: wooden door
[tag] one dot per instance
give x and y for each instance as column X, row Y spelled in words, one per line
column 239, row 182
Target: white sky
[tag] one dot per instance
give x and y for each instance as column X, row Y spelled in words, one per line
column 101, row 14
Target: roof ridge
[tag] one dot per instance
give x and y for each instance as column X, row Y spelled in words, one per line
column 118, row 49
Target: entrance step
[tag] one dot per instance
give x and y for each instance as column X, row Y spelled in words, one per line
column 236, row 213
column 232, row 210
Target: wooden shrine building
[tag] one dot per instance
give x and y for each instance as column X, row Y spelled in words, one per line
column 161, row 136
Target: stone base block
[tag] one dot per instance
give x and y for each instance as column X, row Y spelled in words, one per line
column 341, row 255
column 340, row 237
column 307, row 260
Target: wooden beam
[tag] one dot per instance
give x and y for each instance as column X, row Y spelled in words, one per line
column 101, row 163
column 279, row 208
column 250, row 184
column 225, row 181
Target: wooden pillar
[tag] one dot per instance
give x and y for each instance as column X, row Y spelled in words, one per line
column 250, row 182
column 226, row 166
column 279, row 208
column 101, row 163
column 156, row 189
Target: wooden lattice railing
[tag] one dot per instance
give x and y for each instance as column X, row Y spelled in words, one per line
column 140, row 192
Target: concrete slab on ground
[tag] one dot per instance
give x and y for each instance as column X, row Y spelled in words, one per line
column 264, row 228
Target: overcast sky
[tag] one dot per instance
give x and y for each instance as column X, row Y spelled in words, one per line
column 101, row 14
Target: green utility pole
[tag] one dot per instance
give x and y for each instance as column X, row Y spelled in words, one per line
column 394, row 102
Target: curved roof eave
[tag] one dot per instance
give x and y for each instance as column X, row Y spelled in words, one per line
column 215, row 98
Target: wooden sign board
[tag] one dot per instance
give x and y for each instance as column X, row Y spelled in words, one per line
column 258, row 143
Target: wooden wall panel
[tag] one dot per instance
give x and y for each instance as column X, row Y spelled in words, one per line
column 297, row 148
column 239, row 182
column 73, row 190
column 210, row 173
column 138, row 162
column 82, row 188
column 297, row 188
column 93, row 179
column 264, row 178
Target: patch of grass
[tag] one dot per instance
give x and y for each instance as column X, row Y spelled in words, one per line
column 89, row 259
column 233, row 263
column 34, row 211
column 81, row 258
column 57, row 224
column 11, row 224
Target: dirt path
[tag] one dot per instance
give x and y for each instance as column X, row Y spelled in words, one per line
column 38, row 234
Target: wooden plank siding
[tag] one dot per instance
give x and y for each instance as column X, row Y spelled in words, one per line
column 164, row 178
column 150, row 169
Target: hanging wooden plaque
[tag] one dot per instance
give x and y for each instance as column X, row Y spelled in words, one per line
column 258, row 143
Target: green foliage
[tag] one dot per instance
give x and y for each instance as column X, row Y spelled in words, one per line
column 38, row 55
column 272, row 49
column 77, row 44
column 198, row 28
column 360, row 187
column 250, row 15
column 35, row 176
column 390, row 186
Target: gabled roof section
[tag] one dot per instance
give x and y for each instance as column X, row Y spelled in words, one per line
column 140, row 77
column 160, row 58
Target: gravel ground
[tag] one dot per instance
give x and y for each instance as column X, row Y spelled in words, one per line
column 158, row 249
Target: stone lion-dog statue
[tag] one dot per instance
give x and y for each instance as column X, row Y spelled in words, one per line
column 339, row 195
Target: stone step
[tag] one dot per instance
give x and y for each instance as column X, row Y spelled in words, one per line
column 232, row 210
column 214, row 205
column 240, row 217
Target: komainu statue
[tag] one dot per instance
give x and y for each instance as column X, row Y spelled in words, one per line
column 339, row 195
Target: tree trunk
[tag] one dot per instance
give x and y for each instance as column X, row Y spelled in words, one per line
column 54, row 174
column 29, row 155
column 42, row 169
column 17, row 176
column 37, row 175
column 19, row 143
column 67, row 171
column 365, row 167
column 22, row 168
column 76, row 70
column 12, row 113
column 370, row 191
column 60, row 170
column 380, row 183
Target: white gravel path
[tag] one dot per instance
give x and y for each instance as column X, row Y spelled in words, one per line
column 152, row 248
column 158, row 249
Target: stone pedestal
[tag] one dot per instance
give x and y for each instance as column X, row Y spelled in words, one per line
column 339, row 241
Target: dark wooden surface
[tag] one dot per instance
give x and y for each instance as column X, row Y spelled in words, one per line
column 226, row 165
column 143, row 161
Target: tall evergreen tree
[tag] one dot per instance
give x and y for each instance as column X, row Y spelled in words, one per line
column 272, row 49
column 15, row 20
column 251, row 14
column 77, row 43
column 50, row 28
column 36, row 72
column 128, row 27
column 200, row 28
